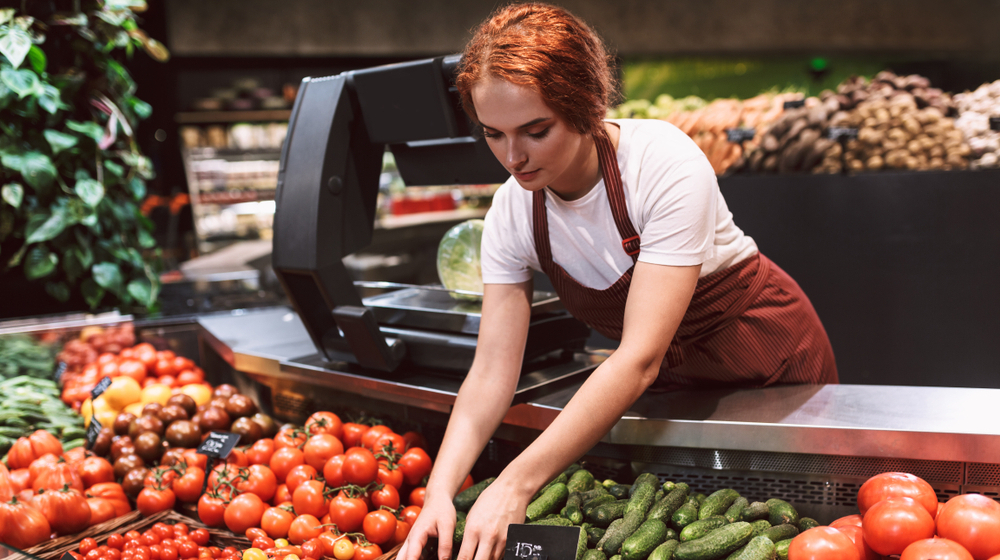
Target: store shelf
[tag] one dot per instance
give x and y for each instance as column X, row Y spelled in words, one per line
column 233, row 154
column 211, row 117
column 236, row 196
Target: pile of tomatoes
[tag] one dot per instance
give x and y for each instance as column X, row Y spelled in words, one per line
column 49, row 492
column 322, row 486
column 900, row 515
column 159, row 542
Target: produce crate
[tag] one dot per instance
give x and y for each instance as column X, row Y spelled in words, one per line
column 55, row 548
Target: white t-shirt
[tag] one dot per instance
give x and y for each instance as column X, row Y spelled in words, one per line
column 673, row 200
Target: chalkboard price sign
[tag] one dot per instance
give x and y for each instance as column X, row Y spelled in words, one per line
column 841, row 133
column 995, row 123
column 218, row 445
column 794, row 104
column 541, row 542
column 102, row 386
column 740, row 135
column 60, row 370
column 93, row 430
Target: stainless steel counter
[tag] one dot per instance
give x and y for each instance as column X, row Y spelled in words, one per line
column 922, row 423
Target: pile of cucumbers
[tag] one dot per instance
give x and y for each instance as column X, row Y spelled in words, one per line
column 28, row 404
column 648, row 520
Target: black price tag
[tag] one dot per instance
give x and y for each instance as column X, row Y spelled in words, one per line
column 795, row 104
column 218, row 445
column 838, row 133
column 58, row 373
column 995, row 123
column 67, row 556
column 740, row 135
column 93, row 430
column 102, row 386
column 541, row 542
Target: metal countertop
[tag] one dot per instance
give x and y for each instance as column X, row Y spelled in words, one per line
column 930, row 423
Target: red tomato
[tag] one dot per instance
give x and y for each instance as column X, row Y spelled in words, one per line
column 416, row 464
column 893, row 523
column 243, row 512
column 152, row 500
column 309, row 498
column 290, row 437
column 101, row 510
column 856, row 534
column 200, row 537
column 402, row 530
column 410, row 514
column 417, row 496
column 276, row 521
column 415, row 439
column 386, row 496
column 847, row 520
column 304, row 528
column 333, row 471
column 469, row 482
column 352, row 434
column 259, row 480
column 973, row 521
column 133, row 368
column 284, row 459
column 282, row 495
column 260, row 452
column 325, row 423
column 897, row 484
column 57, row 475
column 298, row 475
column 189, row 485
column 379, row 526
column 360, row 466
column 347, row 513
column 319, row 448
column 94, row 470
column 367, row 552
column 66, row 510
column 211, row 510
column 389, row 442
column 935, row 549
column 390, row 476
column 822, row 543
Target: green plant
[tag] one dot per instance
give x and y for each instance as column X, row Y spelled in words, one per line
column 72, row 174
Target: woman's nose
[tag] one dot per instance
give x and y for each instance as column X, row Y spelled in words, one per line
column 515, row 155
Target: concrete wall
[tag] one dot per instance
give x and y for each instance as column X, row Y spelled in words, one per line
column 632, row 27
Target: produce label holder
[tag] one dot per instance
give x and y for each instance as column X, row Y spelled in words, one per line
column 217, row 446
column 93, row 430
column 842, row 135
column 740, row 135
column 102, row 386
column 541, row 542
column 995, row 123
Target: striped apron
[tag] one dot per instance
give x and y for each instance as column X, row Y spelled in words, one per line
column 749, row 325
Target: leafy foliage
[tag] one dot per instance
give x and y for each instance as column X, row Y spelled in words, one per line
column 72, row 174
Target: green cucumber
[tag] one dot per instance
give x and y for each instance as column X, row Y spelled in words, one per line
column 671, row 534
column 668, row 486
column 807, row 523
column 581, row 481
column 615, row 536
column 550, row 501
column 572, row 511
column 572, row 469
column 647, row 537
column 781, row 549
column 780, row 512
column 594, row 535
column 666, row 507
column 553, row 521
column 755, row 511
column 562, row 478
column 594, row 554
column 459, row 533
column 619, row 491
column 760, row 526
column 589, row 506
column 716, row 544
column 642, row 479
column 665, row 551
column 781, row 532
column 464, row 500
column 643, row 495
column 702, row 527
column 759, row 548
column 604, row 514
column 615, row 526
column 735, row 511
column 685, row 515
column 717, row 503
column 616, row 557
column 701, row 498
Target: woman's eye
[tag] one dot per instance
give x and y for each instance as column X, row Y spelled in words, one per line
column 489, row 134
column 541, row 134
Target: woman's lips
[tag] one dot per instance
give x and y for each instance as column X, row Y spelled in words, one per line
column 527, row 176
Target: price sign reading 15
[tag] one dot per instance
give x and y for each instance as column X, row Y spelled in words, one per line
column 541, row 542
column 218, row 445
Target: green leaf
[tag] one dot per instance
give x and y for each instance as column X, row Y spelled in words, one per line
column 13, row 194
column 138, row 187
column 92, row 292
column 85, row 255
column 53, row 226
column 21, row 82
column 141, row 290
column 51, row 99
column 90, row 220
column 58, row 290
column 15, row 44
column 37, row 169
column 90, row 191
column 146, row 240
column 60, row 141
column 37, row 59
column 142, row 109
column 108, row 276
column 73, row 263
column 89, row 129
column 6, row 15
column 40, row 263
column 114, row 169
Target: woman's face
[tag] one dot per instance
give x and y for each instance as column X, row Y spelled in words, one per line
column 537, row 147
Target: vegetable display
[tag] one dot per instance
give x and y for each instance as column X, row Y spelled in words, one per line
column 458, row 258
column 975, row 110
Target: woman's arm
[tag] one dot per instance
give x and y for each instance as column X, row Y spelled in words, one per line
column 482, row 402
column 658, row 298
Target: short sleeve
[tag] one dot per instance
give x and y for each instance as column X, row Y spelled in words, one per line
column 503, row 256
column 679, row 205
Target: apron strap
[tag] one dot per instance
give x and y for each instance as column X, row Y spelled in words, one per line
column 608, row 159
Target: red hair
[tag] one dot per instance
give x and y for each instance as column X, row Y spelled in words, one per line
column 549, row 50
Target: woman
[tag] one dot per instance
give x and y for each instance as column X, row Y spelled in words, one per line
column 627, row 220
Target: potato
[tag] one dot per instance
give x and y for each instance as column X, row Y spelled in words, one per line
column 936, row 163
column 874, row 162
column 914, row 147
column 936, row 151
column 855, row 165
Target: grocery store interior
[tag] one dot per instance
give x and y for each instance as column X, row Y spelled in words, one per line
column 154, row 291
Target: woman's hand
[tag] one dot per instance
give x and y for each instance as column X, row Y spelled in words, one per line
column 486, row 526
column 436, row 519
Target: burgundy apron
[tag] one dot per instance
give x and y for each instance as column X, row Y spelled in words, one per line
column 748, row 325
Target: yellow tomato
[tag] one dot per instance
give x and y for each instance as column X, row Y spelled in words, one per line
column 122, row 392
column 157, row 392
column 200, row 392
column 106, row 417
column 254, row 554
column 135, row 409
column 343, row 550
column 87, row 411
column 101, row 404
column 291, row 557
column 280, row 543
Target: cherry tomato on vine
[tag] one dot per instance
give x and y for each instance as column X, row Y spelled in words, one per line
column 410, row 514
column 325, row 423
column 367, row 552
column 386, row 496
column 379, row 526
column 304, row 528
column 244, row 512
column 416, row 464
column 310, row 498
column 275, row 522
column 347, row 513
column 360, row 466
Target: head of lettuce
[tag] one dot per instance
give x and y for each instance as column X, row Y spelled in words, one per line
column 458, row 259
